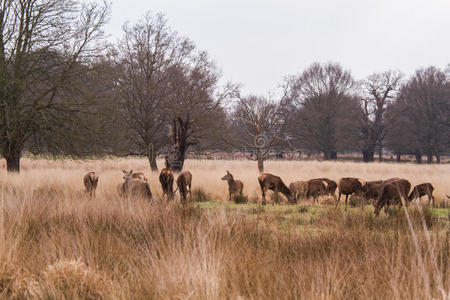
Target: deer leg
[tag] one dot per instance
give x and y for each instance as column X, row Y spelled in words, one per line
column 229, row 195
column 346, row 197
column 338, row 199
column 263, row 196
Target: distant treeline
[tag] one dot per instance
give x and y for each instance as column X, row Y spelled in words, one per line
column 65, row 91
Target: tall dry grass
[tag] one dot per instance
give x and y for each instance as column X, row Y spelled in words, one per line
column 58, row 243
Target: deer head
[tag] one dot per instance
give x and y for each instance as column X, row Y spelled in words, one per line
column 228, row 176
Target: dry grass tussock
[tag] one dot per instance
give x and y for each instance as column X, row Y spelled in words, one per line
column 58, row 243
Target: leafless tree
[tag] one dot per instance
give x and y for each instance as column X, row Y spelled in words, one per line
column 168, row 90
column 260, row 120
column 326, row 109
column 42, row 43
column 378, row 90
column 422, row 115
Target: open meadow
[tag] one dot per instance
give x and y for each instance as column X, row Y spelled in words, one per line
column 58, row 243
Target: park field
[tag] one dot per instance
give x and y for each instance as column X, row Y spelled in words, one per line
column 57, row 243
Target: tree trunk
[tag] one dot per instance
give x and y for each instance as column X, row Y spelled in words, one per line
column 260, row 159
column 438, row 158
column 176, row 156
column 326, row 155
column 419, row 158
column 399, row 157
column 152, row 160
column 380, row 154
column 429, row 158
column 13, row 161
column 333, row 155
column 367, row 155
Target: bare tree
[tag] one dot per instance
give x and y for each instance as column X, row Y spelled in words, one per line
column 260, row 120
column 422, row 115
column 378, row 90
column 326, row 110
column 41, row 45
column 168, row 89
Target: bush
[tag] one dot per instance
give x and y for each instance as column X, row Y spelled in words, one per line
column 199, row 195
column 239, row 199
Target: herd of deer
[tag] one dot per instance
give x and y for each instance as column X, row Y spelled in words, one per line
column 136, row 184
column 382, row 193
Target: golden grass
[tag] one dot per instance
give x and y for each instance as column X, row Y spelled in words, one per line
column 58, row 243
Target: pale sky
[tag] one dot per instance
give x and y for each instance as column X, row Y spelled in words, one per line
column 258, row 42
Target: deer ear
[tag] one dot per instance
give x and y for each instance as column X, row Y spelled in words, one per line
column 228, row 172
column 124, row 171
column 131, row 171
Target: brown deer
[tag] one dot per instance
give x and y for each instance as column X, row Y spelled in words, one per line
column 184, row 181
column 392, row 190
column 348, row 186
column 371, row 189
column 298, row 189
column 138, row 175
column 234, row 186
column 422, row 190
column 90, row 183
column 316, row 188
column 166, row 179
column 136, row 187
column 331, row 186
column 274, row 183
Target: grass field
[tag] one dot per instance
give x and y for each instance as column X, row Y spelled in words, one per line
column 57, row 243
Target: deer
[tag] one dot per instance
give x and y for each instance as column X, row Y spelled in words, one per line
column 184, row 181
column 331, row 186
column 392, row 190
column 349, row 186
column 371, row 189
column 234, row 186
column 134, row 187
column 90, row 183
column 421, row 190
column 274, row 183
column 316, row 187
column 138, row 175
column 298, row 189
column 166, row 179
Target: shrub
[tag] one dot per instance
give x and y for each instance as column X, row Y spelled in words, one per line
column 239, row 199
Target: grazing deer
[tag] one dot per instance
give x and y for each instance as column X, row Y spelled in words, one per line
column 166, row 178
column 134, row 187
column 348, row 186
column 316, row 188
column 90, row 183
column 298, row 189
column 422, row 190
column 371, row 189
column 184, row 181
column 392, row 190
column 330, row 187
column 138, row 175
column 234, row 186
column 274, row 183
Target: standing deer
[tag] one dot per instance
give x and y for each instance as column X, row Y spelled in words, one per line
column 90, row 183
column 166, row 178
column 134, row 187
column 274, row 183
column 392, row 190
column 234, row 186
column 138, row 175
column 316, row 188
column 422, row 190
column 348, row 186
column 298, row 189
column 184, row 181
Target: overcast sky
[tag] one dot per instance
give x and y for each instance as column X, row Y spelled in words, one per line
column 258, row 42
